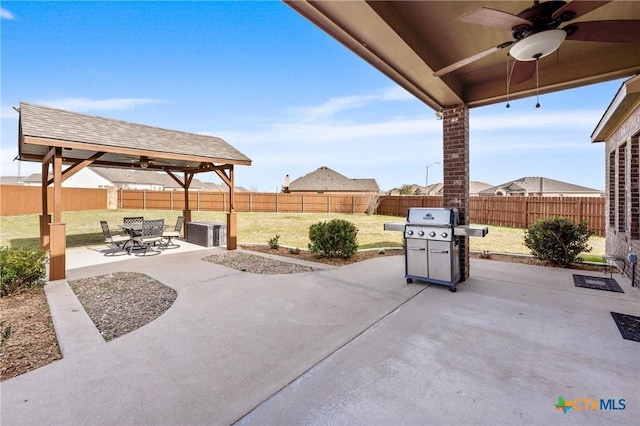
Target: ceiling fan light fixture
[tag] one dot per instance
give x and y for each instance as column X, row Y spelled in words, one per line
column 144, row 161
column 538, row 45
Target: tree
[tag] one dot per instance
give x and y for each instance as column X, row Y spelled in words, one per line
column 406, row 189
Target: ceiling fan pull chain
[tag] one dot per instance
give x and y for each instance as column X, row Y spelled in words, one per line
column 537, row 84
column 508, row 81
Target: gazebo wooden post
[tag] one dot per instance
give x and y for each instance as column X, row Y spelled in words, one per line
column 232, row 221
column 187, row 211
column 45, row 217
column 57, row 229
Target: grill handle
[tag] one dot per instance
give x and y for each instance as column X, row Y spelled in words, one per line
column 438, row 251
column 418, row 249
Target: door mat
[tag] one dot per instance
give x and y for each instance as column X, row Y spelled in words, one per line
column 597, row 283
column 628, row 325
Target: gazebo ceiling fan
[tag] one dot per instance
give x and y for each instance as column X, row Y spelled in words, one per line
column 536, row 32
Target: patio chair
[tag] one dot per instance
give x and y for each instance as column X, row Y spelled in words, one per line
column 116, row 241
column 175, row 233
column 151, row 234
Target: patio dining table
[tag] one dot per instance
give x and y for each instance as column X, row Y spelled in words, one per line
column 133, row 229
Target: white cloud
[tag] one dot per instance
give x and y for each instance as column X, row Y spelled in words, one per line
column 325, row 111
column 5, row 14
column 87, row 104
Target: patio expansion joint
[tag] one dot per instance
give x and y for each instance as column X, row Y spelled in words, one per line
column 329, row 355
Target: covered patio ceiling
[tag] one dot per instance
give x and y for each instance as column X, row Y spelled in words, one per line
column 410, row 40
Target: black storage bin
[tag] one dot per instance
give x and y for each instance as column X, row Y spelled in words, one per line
column 207, row 234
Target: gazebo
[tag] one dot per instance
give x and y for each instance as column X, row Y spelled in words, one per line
column 55, row 138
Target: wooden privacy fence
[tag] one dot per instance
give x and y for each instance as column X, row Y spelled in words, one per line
column 515, row 212
column 246, row 201
column 20, row 199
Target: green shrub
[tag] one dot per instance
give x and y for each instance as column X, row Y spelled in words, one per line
column 274, row 242
column 558, row 241
column 336, row 238
column 21, row 267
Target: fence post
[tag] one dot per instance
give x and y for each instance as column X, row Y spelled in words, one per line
column 277, row 207
column 144, row 200
column 328, row 203
column 578, row 206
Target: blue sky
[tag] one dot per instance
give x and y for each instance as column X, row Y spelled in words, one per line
column 277, row 88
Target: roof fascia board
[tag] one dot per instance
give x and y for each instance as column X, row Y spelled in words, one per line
column 128, row 151
column 629, row 87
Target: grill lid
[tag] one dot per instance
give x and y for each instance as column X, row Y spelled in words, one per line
column 432, row 216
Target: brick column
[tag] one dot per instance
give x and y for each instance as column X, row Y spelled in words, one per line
column 455, row 144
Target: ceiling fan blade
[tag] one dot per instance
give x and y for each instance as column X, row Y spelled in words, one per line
column 522, row 71
column 470, row 59
column 606, row 31
column 577, row 8
column 493, row 18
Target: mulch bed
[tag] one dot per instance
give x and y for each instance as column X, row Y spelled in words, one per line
column 31, row 341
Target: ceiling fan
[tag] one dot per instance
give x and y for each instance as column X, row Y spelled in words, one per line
column 536, row 32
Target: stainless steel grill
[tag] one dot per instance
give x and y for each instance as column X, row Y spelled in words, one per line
column 432, row 244
column 432, row 252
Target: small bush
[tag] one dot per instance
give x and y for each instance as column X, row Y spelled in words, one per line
column 294, row 250
column 336, row 238
column 21, row 267
column 558, row 241
column 5, row 333
column 274, row 242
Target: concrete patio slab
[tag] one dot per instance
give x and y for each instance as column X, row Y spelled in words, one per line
column 344, row 345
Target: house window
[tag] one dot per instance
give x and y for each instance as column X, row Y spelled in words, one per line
column 622, row 199
column 611, row 178
column 634, row 188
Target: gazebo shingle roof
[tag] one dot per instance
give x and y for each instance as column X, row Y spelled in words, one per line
column 109, row 135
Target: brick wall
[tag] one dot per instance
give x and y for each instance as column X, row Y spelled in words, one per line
column 456, row 172
column 622, row 156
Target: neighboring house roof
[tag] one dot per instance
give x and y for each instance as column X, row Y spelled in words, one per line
column 325, row 179
column 120, row 177
column 475, row 187
column 11, row 180
column 129, row 176
column 438, row 189
column 33, row 178
column 536, row 185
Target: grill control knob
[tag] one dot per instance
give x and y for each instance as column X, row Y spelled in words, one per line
column 444, row 235
column 432, row 234
column 409, row 232
column 421, row 233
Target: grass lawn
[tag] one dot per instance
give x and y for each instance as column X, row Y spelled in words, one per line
column 83, row 228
